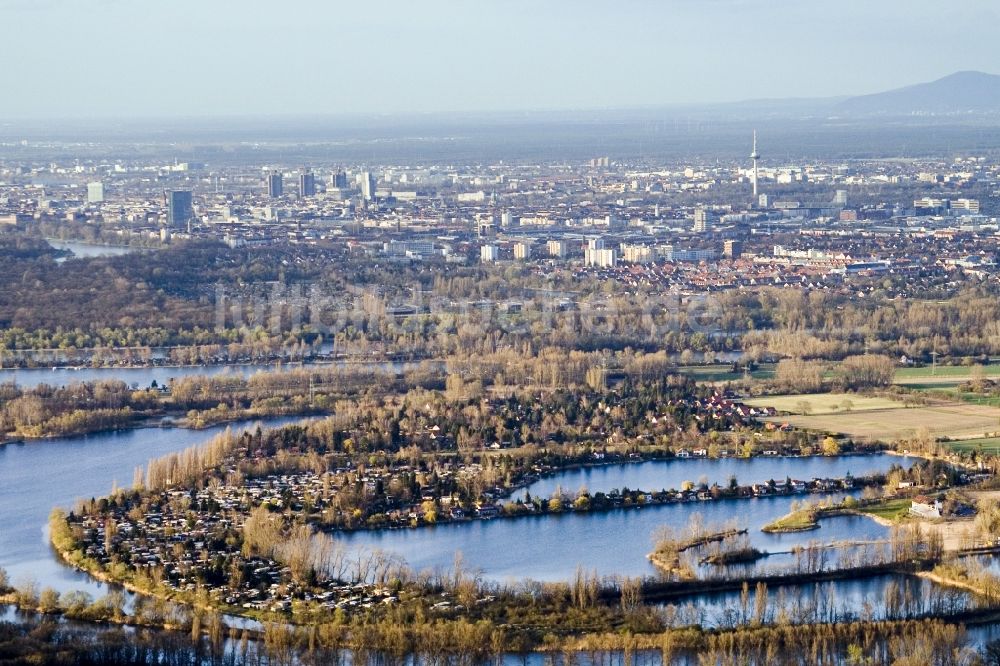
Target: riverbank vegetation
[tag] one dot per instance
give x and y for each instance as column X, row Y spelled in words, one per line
column 902, row 643
column 725, row 544
column 637, row 398
column 195, row 401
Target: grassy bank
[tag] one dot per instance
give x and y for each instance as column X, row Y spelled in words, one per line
column 886, row 512
column 890, row 511
column 802, row 520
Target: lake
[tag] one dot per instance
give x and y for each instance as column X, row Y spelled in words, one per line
column 39, row 475
column 84, row 250
column 551, row 547
column 670, row 474
column 143, row 377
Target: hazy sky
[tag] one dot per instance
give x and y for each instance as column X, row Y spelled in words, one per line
column 99, row 58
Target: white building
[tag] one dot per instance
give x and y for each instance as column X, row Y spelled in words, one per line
column 366, row 182
column 489, row 253
column 411, row 249
column 557, row 248
column 965, row 207
column 670, row 253
column 637, row 254
column 600, row 257
column 702, row 221
column 95, row 192
column 509, row 220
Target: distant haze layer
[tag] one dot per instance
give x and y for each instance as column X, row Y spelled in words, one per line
column 183, row 58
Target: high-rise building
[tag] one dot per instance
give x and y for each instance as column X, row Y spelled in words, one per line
column 95, row 192
column 596, row 255
column 307, row 184
column 602, row 258
column 179, row 208
column 339, row 180
column 489, row 253
column 557, row 248
column 275, row 184
column 522, row 250
column 702, row 221
column 840, row 198
column 754, row 155
column 366, row 181
column 732, row 249
column 637, row 254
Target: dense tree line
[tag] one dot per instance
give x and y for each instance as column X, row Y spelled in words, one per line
column 169, row 297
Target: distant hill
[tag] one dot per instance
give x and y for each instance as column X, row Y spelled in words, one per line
column 962, row 92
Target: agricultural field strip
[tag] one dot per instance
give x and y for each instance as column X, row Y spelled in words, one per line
column 951, row 420
column 823, row 403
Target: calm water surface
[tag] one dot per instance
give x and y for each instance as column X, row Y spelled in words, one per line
column 551, row 547
column 40, row 475
column 843, row 600
column 668, row 474
column 84, row 250
column 144, row 377
column 141, row 377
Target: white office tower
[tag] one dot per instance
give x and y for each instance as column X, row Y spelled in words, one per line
column 840, row 198
column 95, row 192
column 522, row 250
column 366, row 182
